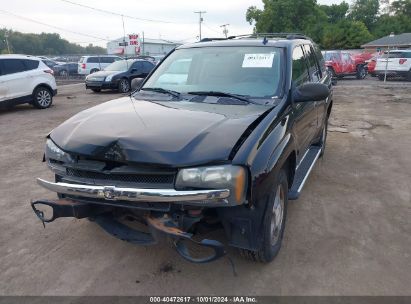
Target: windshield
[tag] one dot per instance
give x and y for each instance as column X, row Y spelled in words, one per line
column 121, row 65
column 249, row 71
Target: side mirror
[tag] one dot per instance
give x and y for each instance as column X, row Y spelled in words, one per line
column 311, row 92
column 136, row 83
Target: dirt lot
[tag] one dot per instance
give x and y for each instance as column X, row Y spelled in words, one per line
column 349, row 233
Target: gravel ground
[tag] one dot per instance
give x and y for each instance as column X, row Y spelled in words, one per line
column 348, row 234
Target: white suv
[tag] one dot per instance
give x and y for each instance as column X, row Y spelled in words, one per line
column 91, row 64
column 398, row 63
column 26, row 79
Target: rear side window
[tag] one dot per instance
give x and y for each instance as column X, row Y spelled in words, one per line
column 399, row 55
column 313, row 67
column 300, row 69
column 11, row 66
column 107, row 59
column 93, row 60
column 31, row 64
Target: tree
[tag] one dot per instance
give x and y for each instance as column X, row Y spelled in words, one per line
column 401, row 7
column 365, row 11
column 335, row 12
column 346, row 34
column 283, row 15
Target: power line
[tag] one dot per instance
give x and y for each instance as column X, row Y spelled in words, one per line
column 122, row 15
column 52, row 26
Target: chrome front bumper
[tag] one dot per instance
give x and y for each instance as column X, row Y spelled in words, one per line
column 113, row 193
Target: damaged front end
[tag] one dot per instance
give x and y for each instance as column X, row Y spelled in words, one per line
column 166, row 203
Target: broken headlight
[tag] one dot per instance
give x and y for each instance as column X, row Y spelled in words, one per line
column 229, row 177
column 55, row 156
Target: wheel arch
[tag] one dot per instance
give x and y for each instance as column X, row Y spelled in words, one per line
column 45, row 85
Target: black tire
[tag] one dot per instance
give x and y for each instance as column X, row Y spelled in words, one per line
column 409, row 75
column 361, row 72
column 42, row 98
column 96, row 90
column 332, row 72
column 124, row 85
column 63, row 73
column 94, row 70
column 272, row 236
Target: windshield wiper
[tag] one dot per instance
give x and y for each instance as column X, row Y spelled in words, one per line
column 161, row 90
column 222, row 94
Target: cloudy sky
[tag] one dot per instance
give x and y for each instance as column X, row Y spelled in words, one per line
column 83, row 25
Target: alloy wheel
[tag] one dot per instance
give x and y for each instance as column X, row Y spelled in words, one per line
column 44, row 98
column 277, row 215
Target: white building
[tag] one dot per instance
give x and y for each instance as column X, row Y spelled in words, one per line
column 134, row 44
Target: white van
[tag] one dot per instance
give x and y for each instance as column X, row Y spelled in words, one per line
column 26, row 79
column 396, row 62
column 91, row 64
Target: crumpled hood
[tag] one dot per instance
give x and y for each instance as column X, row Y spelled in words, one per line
column 166, row 133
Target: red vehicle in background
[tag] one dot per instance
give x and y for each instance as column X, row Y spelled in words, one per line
column 371, row 63
column 341, row 64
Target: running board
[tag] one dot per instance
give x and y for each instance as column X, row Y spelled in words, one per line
column 303, row 171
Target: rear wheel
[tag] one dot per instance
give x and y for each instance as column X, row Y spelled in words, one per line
column 274, row 222
column 361, row 72
column 123, row 85
column 63, row 73
column 42, row 98
column 96, row 90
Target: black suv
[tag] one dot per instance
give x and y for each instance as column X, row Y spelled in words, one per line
column 221, row 134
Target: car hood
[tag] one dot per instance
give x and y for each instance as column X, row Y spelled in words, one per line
column 166, row 133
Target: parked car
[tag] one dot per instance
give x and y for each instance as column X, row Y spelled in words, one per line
column 396, row 62
column 91, row 64
column 26, row 79
column 66, row 69
column 118, row 75
column 228, row 147
column 342, row 64
column 50, row 63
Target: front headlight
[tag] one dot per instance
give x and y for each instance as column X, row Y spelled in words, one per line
column 55, row 153
column 229, row 177
column 108, row 78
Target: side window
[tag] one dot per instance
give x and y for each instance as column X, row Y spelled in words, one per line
column 93, row 60
column 137, row 65
column 31, row 64
column 147, row 67
column 320, row 59
column 315, row 74
column 11, row 66
column 300, row 70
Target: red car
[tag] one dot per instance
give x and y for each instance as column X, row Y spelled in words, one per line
column 371, row 66
column 342, row 64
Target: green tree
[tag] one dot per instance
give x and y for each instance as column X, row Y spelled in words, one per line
column 346, row 34
column 335, row 12
column 387, row 24
column 365, row 11
column 284, row 15
column 401, row 7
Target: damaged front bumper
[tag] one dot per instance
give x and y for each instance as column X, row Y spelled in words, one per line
column 160, row 224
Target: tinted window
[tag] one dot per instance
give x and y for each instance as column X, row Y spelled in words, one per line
column 11, row 66
column 399, row 55
column 147, row 67
column 320, row 59
column 107, row 59
column 31, row 64
column 137, row 65
column 315, row 74
column 300, row 70
column 93, row 60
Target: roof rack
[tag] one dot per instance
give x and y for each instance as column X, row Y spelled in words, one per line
column 289, row 36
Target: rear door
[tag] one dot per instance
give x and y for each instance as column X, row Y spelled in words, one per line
column 15, row 78
column 3, row 87
column 305, row 113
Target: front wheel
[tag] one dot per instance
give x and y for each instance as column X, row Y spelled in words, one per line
column 42, row 98
column 361, row 72
column 274, row 222
column 123, row 85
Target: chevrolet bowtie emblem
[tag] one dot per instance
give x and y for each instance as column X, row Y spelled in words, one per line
column 108, row 193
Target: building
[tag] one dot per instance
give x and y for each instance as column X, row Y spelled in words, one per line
column 133, row 45
column 401, row 41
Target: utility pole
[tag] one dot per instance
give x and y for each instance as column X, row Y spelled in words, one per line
column 225, row 30
column 6, row 35
column 200, row 13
